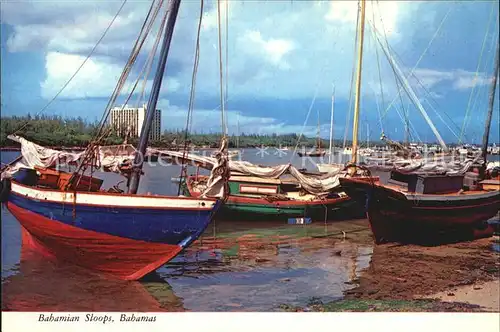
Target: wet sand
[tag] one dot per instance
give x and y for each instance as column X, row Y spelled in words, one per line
column 486, row 295
column 454, row 277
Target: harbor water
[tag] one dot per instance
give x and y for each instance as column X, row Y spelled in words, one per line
column 259, row 265
column 235, row 266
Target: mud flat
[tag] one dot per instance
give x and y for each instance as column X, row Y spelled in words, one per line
column 453, row 277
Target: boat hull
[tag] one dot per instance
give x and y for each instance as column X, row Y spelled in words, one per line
column 328, row 168
column 124, row 241
column 252, row 208
column 241, row 207
column 311, row 154
column 423, row 219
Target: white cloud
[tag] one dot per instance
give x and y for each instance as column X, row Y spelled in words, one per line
column 97, row 78
column 272, row 50
column 277, row 49
column 459, row 79
column 205, row 120
column 384, row 15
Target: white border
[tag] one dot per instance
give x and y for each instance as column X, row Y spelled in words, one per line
column 289, row 322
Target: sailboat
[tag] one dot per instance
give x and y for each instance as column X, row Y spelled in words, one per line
column 330, row 167
column 123, row 235
column 423, row 205
column 257, row 192
column 283, row 148
column 317, row 151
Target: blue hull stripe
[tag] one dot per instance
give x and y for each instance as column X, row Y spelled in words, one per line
column 151, row 225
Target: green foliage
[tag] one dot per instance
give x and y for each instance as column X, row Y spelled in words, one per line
column 243, row 141
column 51, row 131
column 56, row 131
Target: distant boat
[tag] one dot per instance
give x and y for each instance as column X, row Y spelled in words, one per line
column 347, row 151
column 317, row 151
column 331, row 166
column 312, row 153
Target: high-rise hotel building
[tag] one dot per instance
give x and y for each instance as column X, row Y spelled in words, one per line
column 124, row 119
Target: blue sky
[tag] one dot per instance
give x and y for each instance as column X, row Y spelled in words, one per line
column 282, row 54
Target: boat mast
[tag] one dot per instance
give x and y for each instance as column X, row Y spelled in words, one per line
column 153, row 98
column 367, row 135
column 361, row 30
column 490, row 109
column 238, row 130
column 331, row 126
column 319, row 139
column 407, row 128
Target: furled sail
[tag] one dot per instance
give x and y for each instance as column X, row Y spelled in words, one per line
column 108, row 158
column 314, row 184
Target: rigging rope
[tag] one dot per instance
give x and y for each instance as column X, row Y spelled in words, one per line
column 78, row 70
column 149, row 62
column 351, row 88
column 467, row 110
column 318, row 80
column 406, row 120
column 411, row 94
column 305, row 122
column 227, row 51
column 379, row 73
column 91, row 148
column 145, row 69
column 482, row 94
column 223, row 113
column 148, row 23
column 412, row 74
column 191, row 97
column 420, row 58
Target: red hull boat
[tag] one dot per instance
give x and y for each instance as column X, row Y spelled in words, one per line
column 398, row 215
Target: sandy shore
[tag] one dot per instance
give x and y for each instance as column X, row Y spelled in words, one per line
column 461, row 276
column 484, row 294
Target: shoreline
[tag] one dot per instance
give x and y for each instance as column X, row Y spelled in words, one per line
column 460, row 277
column 483, row 294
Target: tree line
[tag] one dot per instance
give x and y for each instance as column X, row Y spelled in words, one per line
column 55, row 131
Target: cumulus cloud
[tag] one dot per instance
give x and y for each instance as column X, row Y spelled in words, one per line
column 97, row 78
column 276, row 49
column 459, row 79
column 209, row 120
column 271, row 50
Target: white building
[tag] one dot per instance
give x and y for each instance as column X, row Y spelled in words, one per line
column 124, row 119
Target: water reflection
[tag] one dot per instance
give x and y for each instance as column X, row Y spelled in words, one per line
column 259, row 268
column 37, row 284
column 235, row 266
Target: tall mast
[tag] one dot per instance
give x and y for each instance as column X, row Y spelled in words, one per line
column 367, row 135
column 361, row 30
column 490, row 109
column 153, row 98
column 331, row 127
column 237, row 129
column 319, row 140
column 407, row 128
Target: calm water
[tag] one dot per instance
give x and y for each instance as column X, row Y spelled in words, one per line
column 235, row 266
